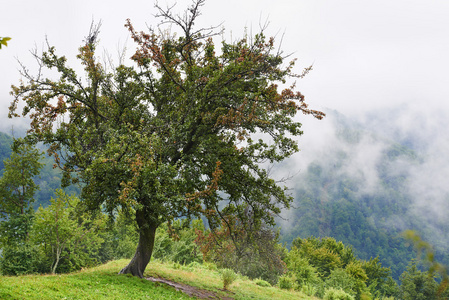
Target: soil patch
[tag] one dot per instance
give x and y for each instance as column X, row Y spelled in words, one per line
column 190, row 290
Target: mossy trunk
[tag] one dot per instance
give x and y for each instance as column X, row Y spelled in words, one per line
column 147, row 233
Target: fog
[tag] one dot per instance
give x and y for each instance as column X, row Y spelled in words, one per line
column 363, row 141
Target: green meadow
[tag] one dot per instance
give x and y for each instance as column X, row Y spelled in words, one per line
column 103, row 282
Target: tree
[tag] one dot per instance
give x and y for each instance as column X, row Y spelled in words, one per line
column 417, row 285
column 435, row 268
column 256, row 255
column 184, row 134
column 177, row 242
column 380, row 282
column 17, row 188
column 58, row 230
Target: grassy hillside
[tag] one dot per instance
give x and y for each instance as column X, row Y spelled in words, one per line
column 103, row 283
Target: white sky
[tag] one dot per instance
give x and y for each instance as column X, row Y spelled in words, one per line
column 369, row 57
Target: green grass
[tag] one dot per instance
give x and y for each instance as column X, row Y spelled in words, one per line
column 103, row 282
column 97, row 283
column 204, row 278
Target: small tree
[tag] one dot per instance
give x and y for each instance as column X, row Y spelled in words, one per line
column 58, row 230
column 256, row 255
column 184, row 134
column 177, row 242
column 228, row 276
column 417, row 285
column 380, row 282
column 303, row 272
column 17, row 185
column 17, row 188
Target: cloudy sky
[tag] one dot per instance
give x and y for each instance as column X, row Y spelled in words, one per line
column 387, row 59
column 384, row 58
column 367, row 55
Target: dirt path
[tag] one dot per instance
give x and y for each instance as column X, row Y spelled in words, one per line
column 190, row 290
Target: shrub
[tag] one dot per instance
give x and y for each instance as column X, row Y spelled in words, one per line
column 340, row 279
column 285, row 282
column 178, row 243
column 336, row 294
column 253, row 251
column 195, row 265
column 18, row 260
column 261, row 282
column 125, row 247
column 309, row 289
column 302, row 270
column 184, row 251
column 210, row 266
column 228, row 277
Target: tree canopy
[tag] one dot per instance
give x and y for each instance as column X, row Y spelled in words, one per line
column 182, row 134
column 17, row 185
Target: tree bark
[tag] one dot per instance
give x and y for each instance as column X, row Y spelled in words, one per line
column 58, row 255
column 147, row 233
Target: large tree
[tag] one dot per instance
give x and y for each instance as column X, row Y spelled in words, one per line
column 183, row 134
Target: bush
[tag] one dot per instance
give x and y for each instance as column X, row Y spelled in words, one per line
column 125, row 247
column 228, row 277
column 336, row 294
column 340, row 279
column 261, row 282
column 210, row 266
column 285, row 282
column 309, row 289
column 18, row 260
column 123, row 236
column 195, row 265
column 180, row 245
column 254, row 252
column 184, row 251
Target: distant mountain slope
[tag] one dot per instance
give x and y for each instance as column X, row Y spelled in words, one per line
column 5, row 149
column 48, row 180
column 360, row 189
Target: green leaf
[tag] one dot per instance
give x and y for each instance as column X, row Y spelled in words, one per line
column 4, row 41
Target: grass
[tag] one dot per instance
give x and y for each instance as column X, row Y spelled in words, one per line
column 201, row 277
column 103, row 282
column 97, row 283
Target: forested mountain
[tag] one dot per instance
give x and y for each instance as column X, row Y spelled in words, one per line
column 360, row 189
column 48, row 180
column 5, row 149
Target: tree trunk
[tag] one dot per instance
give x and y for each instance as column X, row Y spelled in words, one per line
column 147, row 232
column 58, row 255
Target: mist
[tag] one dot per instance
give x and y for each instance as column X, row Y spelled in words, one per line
column 356, row 147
